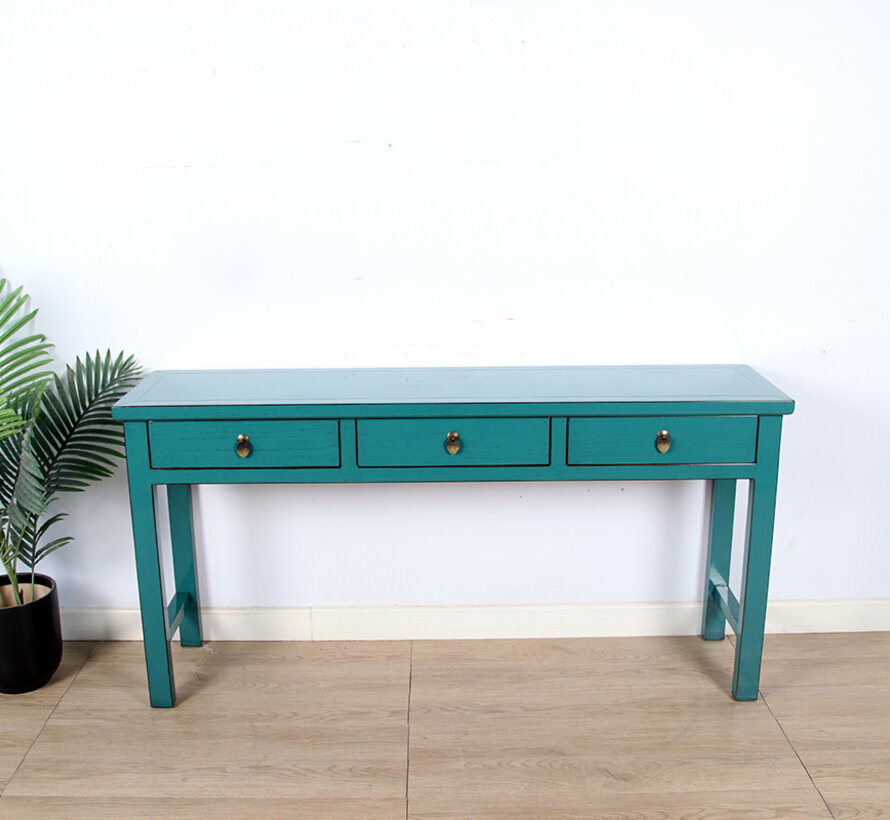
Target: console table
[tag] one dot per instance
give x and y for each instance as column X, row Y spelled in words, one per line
column 720, row 423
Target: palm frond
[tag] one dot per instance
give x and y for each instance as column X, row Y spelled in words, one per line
column 10, row 422
column 9, row 469
column 75, row 438
column 23, row 359
column 31, row 550
column 19, row 417
column 56, row 431
column 28, row 495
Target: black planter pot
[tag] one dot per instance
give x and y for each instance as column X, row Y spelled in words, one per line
column 30, row 639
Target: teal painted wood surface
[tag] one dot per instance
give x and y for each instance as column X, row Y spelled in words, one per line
column 515, row 424
column 693, row 440
column 756, row 562
column 182, row 538
column 705, row 385
column 149, row 571
column 349, row 472
column 483, row 442
column 719, row 556
column 726, row 600
column 263, row 412
column 176, row 612
column 292, row 443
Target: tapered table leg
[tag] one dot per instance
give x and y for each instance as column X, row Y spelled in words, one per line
column 756, row 562
column 149, row 571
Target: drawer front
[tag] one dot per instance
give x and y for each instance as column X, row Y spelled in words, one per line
column 483, row 442
column 693, row 440
column 209, row 444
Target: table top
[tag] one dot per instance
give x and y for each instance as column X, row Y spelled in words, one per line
column 703, row 384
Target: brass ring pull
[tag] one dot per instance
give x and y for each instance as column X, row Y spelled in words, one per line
column 242, row 446
column 453, row 442
column 663, row 441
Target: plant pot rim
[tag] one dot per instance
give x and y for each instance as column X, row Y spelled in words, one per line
column 42, row 581
column 47, row 581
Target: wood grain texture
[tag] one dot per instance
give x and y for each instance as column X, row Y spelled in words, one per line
column 300, row 721
column 831, row 693
column 190, row 808
column 22, row 717
column 592, row 729
column 858, row 802
column 757, row 804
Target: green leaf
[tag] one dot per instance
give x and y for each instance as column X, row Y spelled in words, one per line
column 29, row 498
column 76, row 437
column 24, row 356
column 10, row 422
column 46, row 549
column 56, row 431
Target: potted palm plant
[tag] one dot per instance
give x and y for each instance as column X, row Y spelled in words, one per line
column 56, row 436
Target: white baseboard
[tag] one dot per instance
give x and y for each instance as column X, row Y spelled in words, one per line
column 456, row 622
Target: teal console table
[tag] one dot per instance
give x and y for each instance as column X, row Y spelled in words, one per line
column 720, row 423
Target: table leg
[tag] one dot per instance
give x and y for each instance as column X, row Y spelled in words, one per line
column 149, row 572
column 152, row 599
column 756, row 563
column 182, row 538
column 713, row 627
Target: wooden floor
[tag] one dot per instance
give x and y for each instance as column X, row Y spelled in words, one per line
column 587, row 728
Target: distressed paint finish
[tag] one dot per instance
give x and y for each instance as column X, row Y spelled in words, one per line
column 694, row 440
column 719, row 556
column 756, row 562
column 515, row 424
column 285, row 443
column 182, row 539
column 680, row 389
column 149, row 571
column 483, row 442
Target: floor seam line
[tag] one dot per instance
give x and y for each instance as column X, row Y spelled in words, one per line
column 797, row 755
column 49, row 717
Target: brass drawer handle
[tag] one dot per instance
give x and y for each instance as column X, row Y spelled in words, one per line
column 242, row 446
column 663, row 441
column 453, row 443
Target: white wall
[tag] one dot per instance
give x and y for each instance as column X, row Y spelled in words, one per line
column 292, row 183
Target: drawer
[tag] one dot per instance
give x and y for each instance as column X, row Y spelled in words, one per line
column 693, row 440
column 209, row 444
column 483, row 442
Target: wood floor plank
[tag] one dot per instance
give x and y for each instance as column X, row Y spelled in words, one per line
column 846, row 732
column 23, row 716
column 678, row 650
column 299, row 681
column 869, row 768
column 160, row 808
column 683, row 663
column 801, row 804
column 813, row 703
column 576, row 725
column 857, row 802
column 603, row 729
column 484, row 770
column 308, row 721
column 825, row 660
column 830, row 694
column 828, row 644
